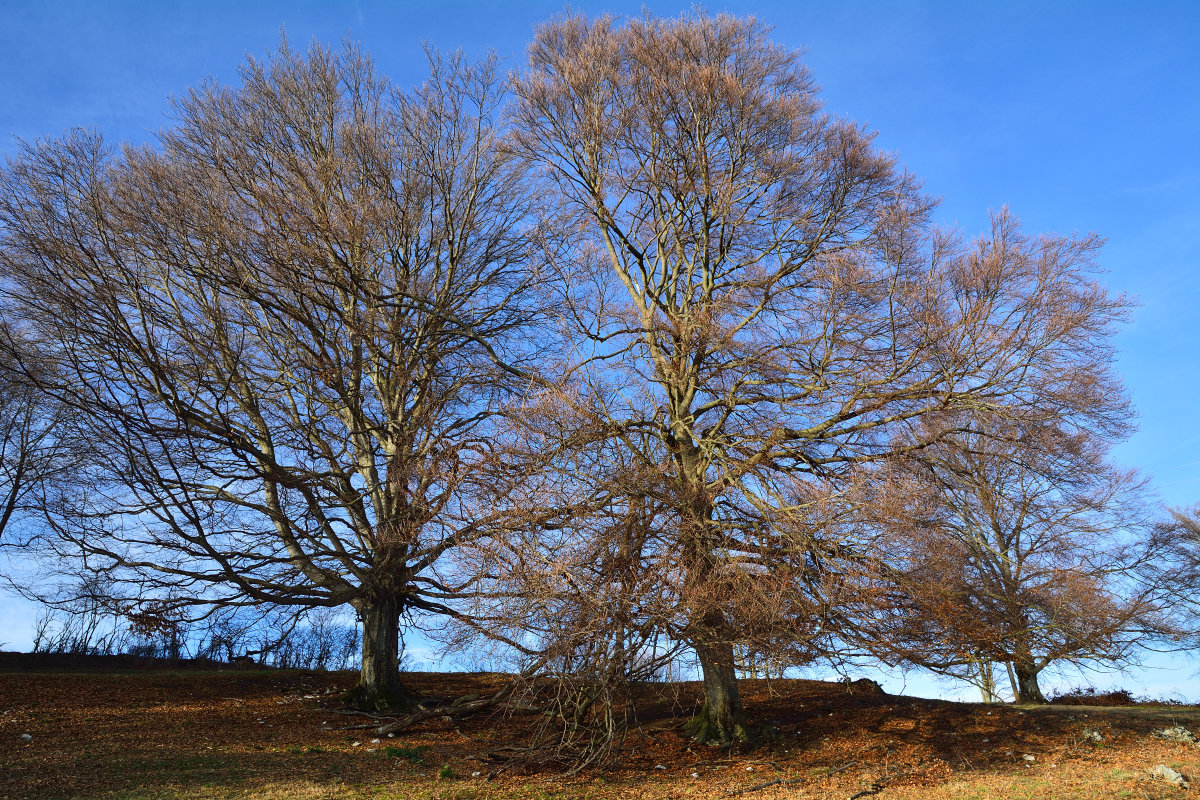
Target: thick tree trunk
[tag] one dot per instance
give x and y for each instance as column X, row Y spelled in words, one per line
column 721, row 720
column 1028, row 690
column 379, row 687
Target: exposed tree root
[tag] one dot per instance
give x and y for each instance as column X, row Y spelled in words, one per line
column 793, row 781
column 767, row 785
column 707, row 728
column 391, row 699
column 878, row 786
column 462, row 707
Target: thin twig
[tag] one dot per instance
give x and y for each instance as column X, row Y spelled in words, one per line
column 350, row 712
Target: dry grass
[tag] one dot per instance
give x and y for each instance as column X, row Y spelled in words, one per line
column 154, row 735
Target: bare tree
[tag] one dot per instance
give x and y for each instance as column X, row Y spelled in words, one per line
column 762, row 303
column 1175, row 571
column 287, row 330
column 581, row 597
column 1017, row 544
column 31, row 445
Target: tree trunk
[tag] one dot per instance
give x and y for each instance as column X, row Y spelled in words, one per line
column 1028, row 690
column 721, row 720
column 987, row 681
column 1012, row 679
column 379, row 687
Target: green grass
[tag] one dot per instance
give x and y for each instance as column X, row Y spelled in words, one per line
column 414, row 754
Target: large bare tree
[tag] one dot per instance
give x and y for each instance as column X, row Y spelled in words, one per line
column 761, row 303
column 287, row 329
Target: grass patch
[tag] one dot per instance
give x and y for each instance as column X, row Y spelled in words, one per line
column 414, row 754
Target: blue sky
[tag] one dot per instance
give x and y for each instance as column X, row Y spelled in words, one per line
column 1078, row 116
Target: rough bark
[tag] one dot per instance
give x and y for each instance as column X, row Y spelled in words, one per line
column 722, row 719
column 379, row 687
column 1028, row 690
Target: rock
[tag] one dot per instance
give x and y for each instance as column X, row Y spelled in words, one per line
column 695, row 774
column 659, row 766
column 1029, row 758
column 1176, row 733
column 1092, row 736
column 476, row 774
column 25, row 737
column 1163, row 772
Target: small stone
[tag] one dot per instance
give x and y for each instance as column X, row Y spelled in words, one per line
column 25, row 737
column 476, row 774
column 391, row 736
column 749, row 769
column 1029, row 758
column 986, row 739
column 1169, row 775
column 695, row 774
column 659, row 766
column 372, row 749
column 355, row 744
column 374, row 741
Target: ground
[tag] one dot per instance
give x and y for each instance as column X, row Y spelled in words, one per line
column 115, row 729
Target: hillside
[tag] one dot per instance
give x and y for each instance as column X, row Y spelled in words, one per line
column 129, row 731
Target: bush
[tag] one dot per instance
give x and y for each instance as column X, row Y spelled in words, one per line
column 1090, row 697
